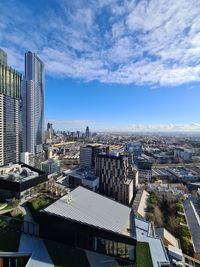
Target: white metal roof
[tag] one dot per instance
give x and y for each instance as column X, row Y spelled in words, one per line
column 94, row 209
column 157, row 249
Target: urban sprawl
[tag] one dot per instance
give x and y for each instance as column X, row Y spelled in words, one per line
column 85, row 198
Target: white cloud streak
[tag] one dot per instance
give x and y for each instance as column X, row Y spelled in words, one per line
column 126, row 42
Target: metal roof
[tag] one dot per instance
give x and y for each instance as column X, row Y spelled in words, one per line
column 193, row 220
column 94, row 209
column 157, row 249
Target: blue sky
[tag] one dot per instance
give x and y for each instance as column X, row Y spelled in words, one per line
column 113, row 65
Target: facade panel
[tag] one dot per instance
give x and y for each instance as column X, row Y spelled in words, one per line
column 33, row 104
column 10, row 88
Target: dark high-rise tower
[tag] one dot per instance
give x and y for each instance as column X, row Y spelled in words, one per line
column 50, row 130
column 10, row 86
column 87, row 132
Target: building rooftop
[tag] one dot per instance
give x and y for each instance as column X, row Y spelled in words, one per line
column 182, row 172
column 17, row 173
column 193, row 222
column 82, row 173
column 140, row 203
column 164, row 234
column 91, row 208
column 145, row 233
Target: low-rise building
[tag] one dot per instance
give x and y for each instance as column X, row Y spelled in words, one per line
column 144, row 166
column 90, row 221
column 84, row 177
column 182, row 174
column 140, row 203
column 50, row 166
column 182, row 153
column 167, row 237
column 16, row 179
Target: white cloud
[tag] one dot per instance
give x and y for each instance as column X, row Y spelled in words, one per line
column 139, row 42
column 191, row 127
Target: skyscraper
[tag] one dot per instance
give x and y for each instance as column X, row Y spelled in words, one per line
column 33, row 104
column 10, row 86
column 87, row 132
column 50, row 130
column 49, row 126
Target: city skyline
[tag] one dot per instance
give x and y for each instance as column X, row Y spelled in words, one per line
column 108, row 68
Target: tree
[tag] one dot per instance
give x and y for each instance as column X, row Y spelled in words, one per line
column 157, row 217
column 14, row 202
column 149, row 216
column 150, row 207
column 174, row 226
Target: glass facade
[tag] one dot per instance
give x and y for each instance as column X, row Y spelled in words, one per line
column 10, row 89
column 11, row 129
column 114, row 248
column 3, row 57
column 33, row 104
column 10, row 81
column 117, row 249
column 85, row 236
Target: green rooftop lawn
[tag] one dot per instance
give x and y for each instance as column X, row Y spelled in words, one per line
column 143, row 255
column 40, row 202
column 65, row 256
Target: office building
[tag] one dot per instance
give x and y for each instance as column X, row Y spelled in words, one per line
column 84, row 177
column 33, row 104
column 49, row 130
column 10, row 87
column 50, row 166
column 116, row 177
column 86, row 157
column 134, row 148
column 89, row 153
column 25, row 157
column 144, row 166
column 87, row 132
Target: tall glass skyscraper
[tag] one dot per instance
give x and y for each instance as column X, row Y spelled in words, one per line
column 33, row 104
column 10, row 86
column 87, row 132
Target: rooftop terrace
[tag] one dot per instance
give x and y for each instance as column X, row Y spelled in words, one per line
column 17, row 173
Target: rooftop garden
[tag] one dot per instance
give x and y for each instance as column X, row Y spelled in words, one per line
column 38, row 203
column 143, row 255
column 8, row 206
column 169, row 213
